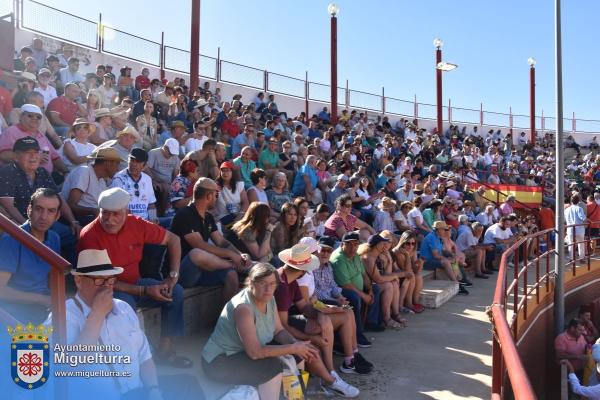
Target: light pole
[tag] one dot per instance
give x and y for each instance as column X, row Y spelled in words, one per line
column 531, row 62
column 195, row 46
column 333, row 10
column 438, row 80
column 440, row 66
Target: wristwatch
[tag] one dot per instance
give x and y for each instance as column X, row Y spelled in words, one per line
column 174, row 274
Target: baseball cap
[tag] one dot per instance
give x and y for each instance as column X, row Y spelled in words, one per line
column 26, row 143
column 374, row 240
column 31, row 108
column 173, row 146
column 139, row 155
column 44, row 71
column 227, row 164
column 350, row 236
column 327, row 241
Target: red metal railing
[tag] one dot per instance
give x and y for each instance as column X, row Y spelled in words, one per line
column 57, row 274
column 513, row 296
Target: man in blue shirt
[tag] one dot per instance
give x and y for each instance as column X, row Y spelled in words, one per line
column 245, row 138
column 24, row 289
column 306, row 182
column 435, row 257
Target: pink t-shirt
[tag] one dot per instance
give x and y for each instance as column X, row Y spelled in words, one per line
column 14, row 133
column 336, row 221
column 568, row 344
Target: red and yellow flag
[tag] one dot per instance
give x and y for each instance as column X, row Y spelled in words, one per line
column 531, row 196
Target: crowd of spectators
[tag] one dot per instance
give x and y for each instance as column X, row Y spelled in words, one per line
column 186, row 188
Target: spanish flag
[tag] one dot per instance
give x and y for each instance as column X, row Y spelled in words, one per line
column 531, row 196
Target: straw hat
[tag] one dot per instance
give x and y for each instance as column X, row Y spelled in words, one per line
column 300, row 258
column 387, row 203
column 95, row 263
column 129, row 130
column 105, row 153
column 82, row 121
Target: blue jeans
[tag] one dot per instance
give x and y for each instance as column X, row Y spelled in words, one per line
column 356, row 303
column 192, row 275
column 171, row 312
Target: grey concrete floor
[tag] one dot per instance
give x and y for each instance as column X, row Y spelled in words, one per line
column 442, row 354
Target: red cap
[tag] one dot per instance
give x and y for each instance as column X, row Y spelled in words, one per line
column 227, row 164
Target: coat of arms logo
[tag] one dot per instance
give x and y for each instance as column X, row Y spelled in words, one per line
column 30, row 355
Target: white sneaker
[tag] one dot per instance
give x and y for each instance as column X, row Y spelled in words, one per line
column 341, row 388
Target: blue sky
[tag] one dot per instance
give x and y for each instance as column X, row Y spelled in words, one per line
column 389, row 43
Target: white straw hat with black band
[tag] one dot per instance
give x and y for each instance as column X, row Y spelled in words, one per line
column 95, row 263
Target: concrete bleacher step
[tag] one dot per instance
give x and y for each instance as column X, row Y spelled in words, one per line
column 201, row 308
column 436, row 293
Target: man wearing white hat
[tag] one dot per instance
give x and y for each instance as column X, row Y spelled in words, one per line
column 95, row 317
column 124, row 143
column 163, row 166
column 297, row 261
column 84, row 184
column 29, row 125
column 124, row 237
column 44, row 88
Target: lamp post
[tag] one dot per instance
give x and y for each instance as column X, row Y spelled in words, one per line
column 438, row 79
column 531, row 62
column 195, row 46
column 333, row 10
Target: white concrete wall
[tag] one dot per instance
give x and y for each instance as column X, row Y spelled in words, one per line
column 290, row 104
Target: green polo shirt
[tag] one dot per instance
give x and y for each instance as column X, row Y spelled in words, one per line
column 271, row 157
column 347, row 270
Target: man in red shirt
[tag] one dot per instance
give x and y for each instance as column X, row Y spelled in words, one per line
column 229, row 127
column 62, row 110
column 571, row 345
column 124, row 237
column 142, row 81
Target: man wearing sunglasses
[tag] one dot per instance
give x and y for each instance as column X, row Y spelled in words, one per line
column 95, row 317
column 29, row 126
column 142, row 201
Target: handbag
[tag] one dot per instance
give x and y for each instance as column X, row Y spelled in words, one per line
column 294, row 381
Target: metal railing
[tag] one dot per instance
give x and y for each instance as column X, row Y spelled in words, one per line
column 56, row 280
column 55, row 23
column 511, row 298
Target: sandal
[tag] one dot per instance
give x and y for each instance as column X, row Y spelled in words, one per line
column 400, row 320
column 173, row 360
column 393, row 324
column 418, row 308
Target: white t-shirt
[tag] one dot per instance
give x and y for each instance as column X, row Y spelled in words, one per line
column 81, row 149
column 140, row 198
column 308, row 280
column 228, row 202
column 84, row 178
column 414, row 216
column 495, row 232
column 49, row 93
column 194, row 144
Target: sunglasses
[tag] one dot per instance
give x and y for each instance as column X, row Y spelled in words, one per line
column 324, row 250
column 136, row 186
column 33, row 115
column 410, row 243
column 103, row 281
column 348, row 205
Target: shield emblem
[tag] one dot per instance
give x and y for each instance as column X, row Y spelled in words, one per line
column 30, row 364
